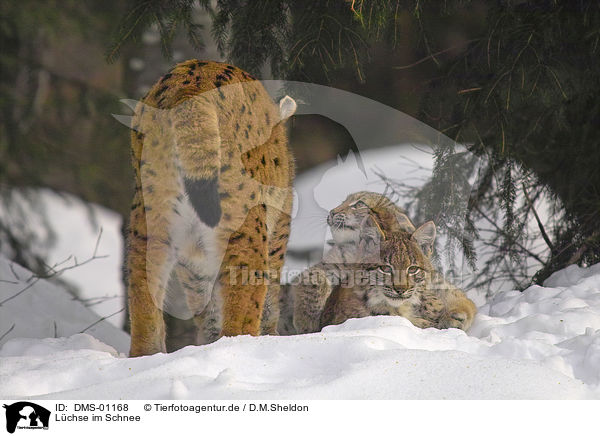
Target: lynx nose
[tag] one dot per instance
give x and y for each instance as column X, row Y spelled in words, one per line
column 330, row 218
column 406, row 292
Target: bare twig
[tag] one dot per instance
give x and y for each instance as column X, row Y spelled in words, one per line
column 101, row 319
column 12, row 269
column 30, row 285
column 465, row 91
column 501, row 231
column 9, row 330
column 89, row 302
column 53, row 272
column 433, row 55
column 538, row 220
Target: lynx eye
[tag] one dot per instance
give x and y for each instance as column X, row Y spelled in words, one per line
column 413, row 270
column 385, row 269
column 359, row 205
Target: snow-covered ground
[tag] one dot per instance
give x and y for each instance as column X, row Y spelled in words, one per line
column 543, row 343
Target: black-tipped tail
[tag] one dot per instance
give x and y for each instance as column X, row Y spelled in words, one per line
column 204, row 196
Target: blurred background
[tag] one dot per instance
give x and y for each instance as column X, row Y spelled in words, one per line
column 516, row 83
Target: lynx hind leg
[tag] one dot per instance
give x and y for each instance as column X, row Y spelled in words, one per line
column 285, row 326
column 209, row 322
column 310, row 291
column 150, row 261
column 271, row 311
column 459, row 312
column 198, row 288
column 277, row 243
column 243, row 286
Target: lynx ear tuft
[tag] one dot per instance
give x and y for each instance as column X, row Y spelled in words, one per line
column 425, row 237
column 287, row 107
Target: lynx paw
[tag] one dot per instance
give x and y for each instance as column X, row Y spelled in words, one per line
column 457, row 320
column 421, row 323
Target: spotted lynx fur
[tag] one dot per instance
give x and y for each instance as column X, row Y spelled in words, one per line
column 213, row 195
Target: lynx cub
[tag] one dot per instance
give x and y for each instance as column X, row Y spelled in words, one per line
column 213, row 195
column 363, row 218
column 403, row 283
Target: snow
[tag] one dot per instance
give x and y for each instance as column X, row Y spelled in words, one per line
column 543, row 343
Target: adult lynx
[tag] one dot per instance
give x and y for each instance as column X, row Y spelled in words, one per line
column 213, row 195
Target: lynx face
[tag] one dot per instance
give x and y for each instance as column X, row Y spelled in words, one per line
column 366, row 215
column 346, row 223
column 404, row 271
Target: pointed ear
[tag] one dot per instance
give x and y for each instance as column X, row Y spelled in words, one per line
column 405, row 223
column 132, row 104
column 134, row 121
column 126, row 120
column 371, row 229
column 368, row 251
column 425, row 237
column 287, row 107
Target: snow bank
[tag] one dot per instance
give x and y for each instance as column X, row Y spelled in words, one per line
column 36, row 308
column 348, row 364
column 77, row 225
column 68, row 228
column 543, row 343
